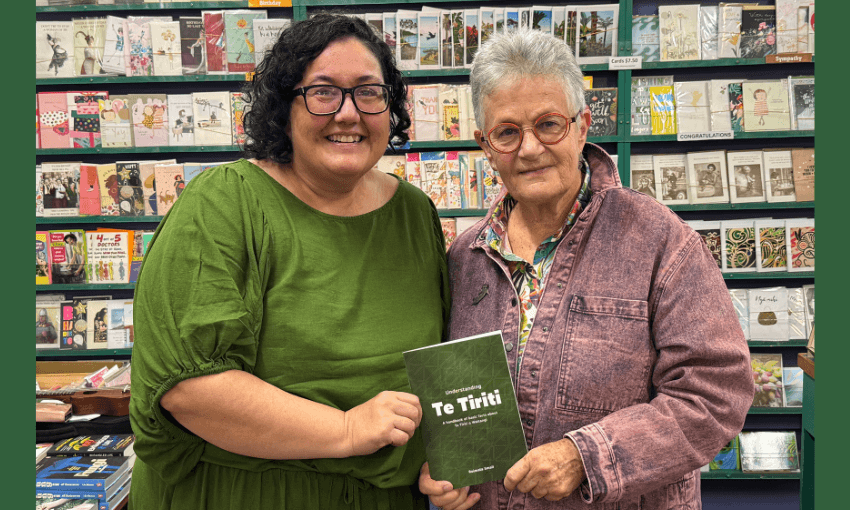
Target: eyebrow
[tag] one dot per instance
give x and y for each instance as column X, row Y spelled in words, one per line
column 368, row 78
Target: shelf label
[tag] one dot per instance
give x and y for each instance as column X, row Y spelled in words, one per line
column 625, row 62
column 713, row 135
column 269, row 3
column 788, row 58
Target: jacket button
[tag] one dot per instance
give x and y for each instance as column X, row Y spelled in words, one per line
column 545, row 329
column 571, row 242
column 534, row 373
column 513, row 301
column 529, row 422
column 560, row 285
column 509, row 346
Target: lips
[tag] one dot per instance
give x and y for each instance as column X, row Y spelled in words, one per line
column 345, row 138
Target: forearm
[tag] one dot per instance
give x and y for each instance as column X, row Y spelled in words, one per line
column 243, row 414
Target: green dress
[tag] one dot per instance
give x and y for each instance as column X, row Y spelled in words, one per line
column 243, row 275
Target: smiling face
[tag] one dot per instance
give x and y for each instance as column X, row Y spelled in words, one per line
column 347, row 144
column 536, row 175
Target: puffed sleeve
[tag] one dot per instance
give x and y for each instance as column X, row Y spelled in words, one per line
column 197, row 308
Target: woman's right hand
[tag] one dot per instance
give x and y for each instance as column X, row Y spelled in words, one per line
column 390, row 417
column 443, row 495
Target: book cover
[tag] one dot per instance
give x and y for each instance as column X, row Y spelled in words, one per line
column 42, row 260
column 642, row 176
column 772, row 254
column 779, row 175
column 766, row 105
column 662, row 110
column 41, row 450
column 449, row 230
column 729, row 30
column 709, row 231
column 116, row 124
column 89, row 190
column 48, row 324
column 741, row 304
column 53, row 120
column 426, row 112
column 796, row 314
column 80, row 472
column 266, row 33
column 165, row 48
column 738, row 244
column 708, row 178
column 596, row 33
column 193, row 51
column 472, row 35
column 61, row 181
column 84, row 118
column 89, row 40
column 803, row 161
column 693, row 113
column 801, row 98
column 92, row 498
column 107, row 181
column 434, row 176
column 407, row 39
column 181, row 125
column 768, row 451
column 758, row 31
column 646, row 42
column 428, row 23
column 54, row 44
column 97, row 324
column 237, row 111
column 150, row 115
column 800, row 244
column 215, row 43
column 130, row 193
column 169, row 185
column 108, row 445
column 470, row 423
column 767, row 377
column 113, row 46
column 57, row 502
column 603, row 111
column 239, row 34
column 792, row 386
column 708, row 32
column 727, row 458
column 671, row 174
column 679, row 26
column 108, row 257
column 212, row 118
column 746, row 183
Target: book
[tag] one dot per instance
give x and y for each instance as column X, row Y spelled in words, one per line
column 729, row 30
column 709, row 231
column 766, row 105
column 113, row 46
column 708, row 32
column 104, row 499
column 800, row 244
column 169, row 185
column 193, row 51
column 758, row 31
column 89, row 191
column 48, row 324
column 266, row 33
column 693, row 113
column 470, row 419
column 741, row 304
column 645, row 38
column 603, row 111
column 57, row 502
column 768, row 451
column 770, row 238
column 215, row 42
column 801, row 99
column 80, row 472
column 792, row 386
column 745, row 176
column 165, row 48
column 738, row 245
column 707, row 177
column 181, row 125
column 803, row 161
column 108, row 445
column 130, row 193
column 212, row 118
column 42, row 260
column 671, row 176
column 596, row 33
column 97, row 323
column 61, row 182
column 41, row 450
column 54, row 43
column 116, row 123
column 662, row 110
column 89, row 39
column 679, row 26
column 84, row 118
column 767, row 377
column 53, row 120
column 108, row 257
column 150, row 117
column 779, row 175
column 642, row 176
column 727, row 458
column 239, row 34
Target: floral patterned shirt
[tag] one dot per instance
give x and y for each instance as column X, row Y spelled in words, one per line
column 529, row 278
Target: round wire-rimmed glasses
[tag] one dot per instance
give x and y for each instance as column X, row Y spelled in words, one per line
column 370, row 98
column 549, row 128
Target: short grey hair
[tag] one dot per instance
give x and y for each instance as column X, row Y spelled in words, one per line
column 506, row 58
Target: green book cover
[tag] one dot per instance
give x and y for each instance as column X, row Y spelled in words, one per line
column 470, row 423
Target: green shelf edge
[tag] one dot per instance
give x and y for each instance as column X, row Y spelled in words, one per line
column 774, row 344
column 140, row 150
column 733, row 475
column 775, row 410
column 751, row 205
column 768, row 276
column 144, row 7
column 83, row 80
column 59, row 287
column 68, row 220
column 720, row 62
column 738, row 136
column 70, row 353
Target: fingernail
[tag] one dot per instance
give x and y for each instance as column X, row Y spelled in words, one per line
column 447, row 487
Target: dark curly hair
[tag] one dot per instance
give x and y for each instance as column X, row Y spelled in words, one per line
column 270, row 93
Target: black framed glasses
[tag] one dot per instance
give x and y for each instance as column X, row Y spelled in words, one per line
column 327, row 99
column 549, row 128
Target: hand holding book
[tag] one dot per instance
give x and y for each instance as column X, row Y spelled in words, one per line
column 551, row 471
column 390, row 417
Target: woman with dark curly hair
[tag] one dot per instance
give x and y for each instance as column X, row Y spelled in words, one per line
column 279, row 293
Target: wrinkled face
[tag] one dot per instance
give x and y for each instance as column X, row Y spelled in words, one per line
column 348, row 143
column 536, row 174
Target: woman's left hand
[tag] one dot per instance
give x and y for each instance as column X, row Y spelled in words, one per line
column 551, row 471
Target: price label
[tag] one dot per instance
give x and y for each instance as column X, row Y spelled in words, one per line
column 625, row 62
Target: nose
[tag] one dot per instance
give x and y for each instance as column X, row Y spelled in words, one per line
column 530, row 146
column 347, row 112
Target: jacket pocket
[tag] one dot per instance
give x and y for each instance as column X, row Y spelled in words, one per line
column 607, row 354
